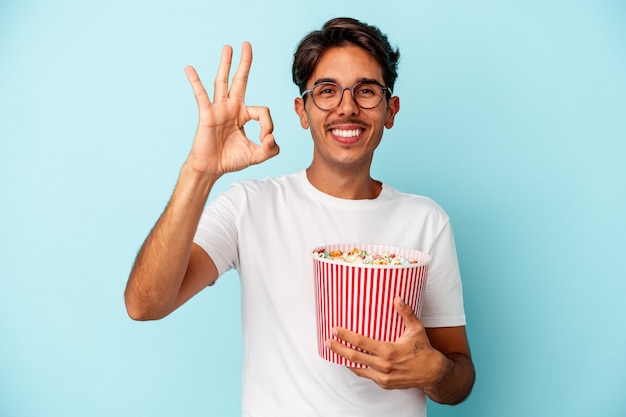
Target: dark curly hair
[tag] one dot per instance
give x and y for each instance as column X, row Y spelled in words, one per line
column 341, row 32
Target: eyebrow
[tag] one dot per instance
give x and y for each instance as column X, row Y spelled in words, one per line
column 360, row 80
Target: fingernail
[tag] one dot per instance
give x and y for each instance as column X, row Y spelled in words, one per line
column 327, row 344
column 334, row 331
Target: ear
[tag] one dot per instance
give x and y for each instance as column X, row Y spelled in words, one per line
column 298, row 106
column 393, row 107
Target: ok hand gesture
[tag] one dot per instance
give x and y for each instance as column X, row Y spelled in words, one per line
column 220, row 144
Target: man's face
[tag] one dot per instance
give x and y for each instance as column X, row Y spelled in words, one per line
column 347, row 136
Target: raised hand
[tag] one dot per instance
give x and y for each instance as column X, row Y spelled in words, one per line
column 220, row 144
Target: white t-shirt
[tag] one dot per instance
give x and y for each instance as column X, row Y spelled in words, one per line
column 266, row 230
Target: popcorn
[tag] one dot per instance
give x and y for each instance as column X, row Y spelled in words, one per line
column 360, row 256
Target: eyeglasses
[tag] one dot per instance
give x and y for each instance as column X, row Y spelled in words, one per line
column 366, row 94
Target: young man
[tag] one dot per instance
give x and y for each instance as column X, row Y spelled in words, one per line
column 345, row 73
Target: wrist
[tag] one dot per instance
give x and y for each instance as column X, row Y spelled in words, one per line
column 442, row 369
column 456, row 382
column 193, row 188
column 196, row 178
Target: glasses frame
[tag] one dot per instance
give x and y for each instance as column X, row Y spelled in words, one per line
column 386, row 92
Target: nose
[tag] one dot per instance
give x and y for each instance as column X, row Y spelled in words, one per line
column 347, row 105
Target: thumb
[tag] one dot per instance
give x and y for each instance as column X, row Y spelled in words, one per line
column 412, row 323
column 269, row 146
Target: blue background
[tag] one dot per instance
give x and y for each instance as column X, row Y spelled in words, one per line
column 513, row 118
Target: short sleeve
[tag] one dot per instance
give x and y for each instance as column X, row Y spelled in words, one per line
column 443, row 297
column 217, row 230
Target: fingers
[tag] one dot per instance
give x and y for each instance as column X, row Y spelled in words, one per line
column 262, row 115
column 412, row 323
column 375, row 353
column 406, row 313
column 269, row 148
column 240, row 79
column 350, row 353
column 413, row 326
column 221, row 91
column 202, row 98
column 357, row 340
column 268, row 144
column 363, row 350
column 221, row 79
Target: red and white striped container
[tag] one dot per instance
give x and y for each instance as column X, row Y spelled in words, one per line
column 359, row 297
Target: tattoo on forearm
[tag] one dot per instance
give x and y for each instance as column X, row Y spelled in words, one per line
column 417, row 347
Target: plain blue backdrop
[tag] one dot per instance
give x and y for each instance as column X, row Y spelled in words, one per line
column 513, row 118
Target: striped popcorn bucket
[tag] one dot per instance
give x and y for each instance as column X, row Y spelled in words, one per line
column 359, row 297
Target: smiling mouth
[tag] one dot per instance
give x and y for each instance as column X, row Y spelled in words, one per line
column 349, row 133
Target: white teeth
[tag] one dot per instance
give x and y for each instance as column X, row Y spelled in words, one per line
column 346, row 133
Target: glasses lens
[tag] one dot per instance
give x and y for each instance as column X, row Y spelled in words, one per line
column 327, row 96
column 368, row 95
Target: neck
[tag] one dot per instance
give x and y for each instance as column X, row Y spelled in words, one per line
column 346, row 184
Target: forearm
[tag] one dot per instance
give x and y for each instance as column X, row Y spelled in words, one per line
column 162, row 261
column 456, row 383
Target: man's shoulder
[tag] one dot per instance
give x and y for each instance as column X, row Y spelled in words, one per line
column 408, row 197
column 268, row 184
column 413, row 202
